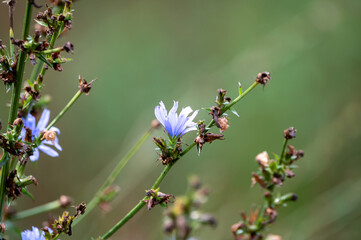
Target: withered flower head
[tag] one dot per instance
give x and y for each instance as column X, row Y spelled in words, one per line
column 158, row 198
column 263, row 159
column 80, row 209
column 289, row 133
column 263, row 78
column 18, row 122
column 49, row 135
column 223, row 123
column 84, row 86
column 68, row 47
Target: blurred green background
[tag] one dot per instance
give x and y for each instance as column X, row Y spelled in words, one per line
column 143, row 51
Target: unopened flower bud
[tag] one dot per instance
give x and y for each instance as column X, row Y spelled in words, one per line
column 65, row 201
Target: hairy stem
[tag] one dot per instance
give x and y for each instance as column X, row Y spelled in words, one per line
column 164, row 173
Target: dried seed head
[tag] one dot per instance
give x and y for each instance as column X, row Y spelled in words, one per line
column 68, row 47
column 84, row 86
column 263, row 78
column 289, row 133
column 80, row 209
column 263, row 159
column 223, row 123
column 65, row 201
column 49, row 135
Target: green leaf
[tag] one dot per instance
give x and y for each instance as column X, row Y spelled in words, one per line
column 41, row 23
column 8, row 87
column 234, row 112
column 276, row 156
column 4, row 160
column 43, row 59
column 27, row 193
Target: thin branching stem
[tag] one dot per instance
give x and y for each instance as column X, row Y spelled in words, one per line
column 50, row 206
column 66, row 108
column 113, row 175
column 166, row 170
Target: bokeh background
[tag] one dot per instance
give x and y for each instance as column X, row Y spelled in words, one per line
column 143, row 51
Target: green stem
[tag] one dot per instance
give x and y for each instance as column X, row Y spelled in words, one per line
column 283, row 150
column 237, row 99
column 113, row 175
column 14, row 103
column 50, row 51
column 139, row 206
column 37, row 210
column 164, row 173
column 4, row 174
column 66, row 108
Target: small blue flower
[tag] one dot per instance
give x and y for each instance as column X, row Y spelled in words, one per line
column 35, row 234
column 175, row 125
column 36, row 129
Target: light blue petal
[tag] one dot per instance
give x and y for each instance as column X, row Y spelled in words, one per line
column 55, row 129
column 43, row 121
column 158, row 114
column 29, row 122
column 35, row 155
column 48, row 150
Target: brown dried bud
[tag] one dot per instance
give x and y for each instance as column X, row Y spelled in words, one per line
column 49, row 135
column 258, row 179
column 272, row 214
column 223, row 123
column 18, row 122
column 69, row 47
column 155, row 124
column 235, row 228
column 28, row 134
column 263, row 159
column 210, row 137
column 263, row 78
column 84, row 86
column 289, row 133
column 65, row 201
column 32, row 58
column 289, row 173
column 80, row 209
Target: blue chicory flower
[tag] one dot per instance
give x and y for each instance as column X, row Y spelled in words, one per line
column 36, row 129
column 175, row 125
column 35, row 234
